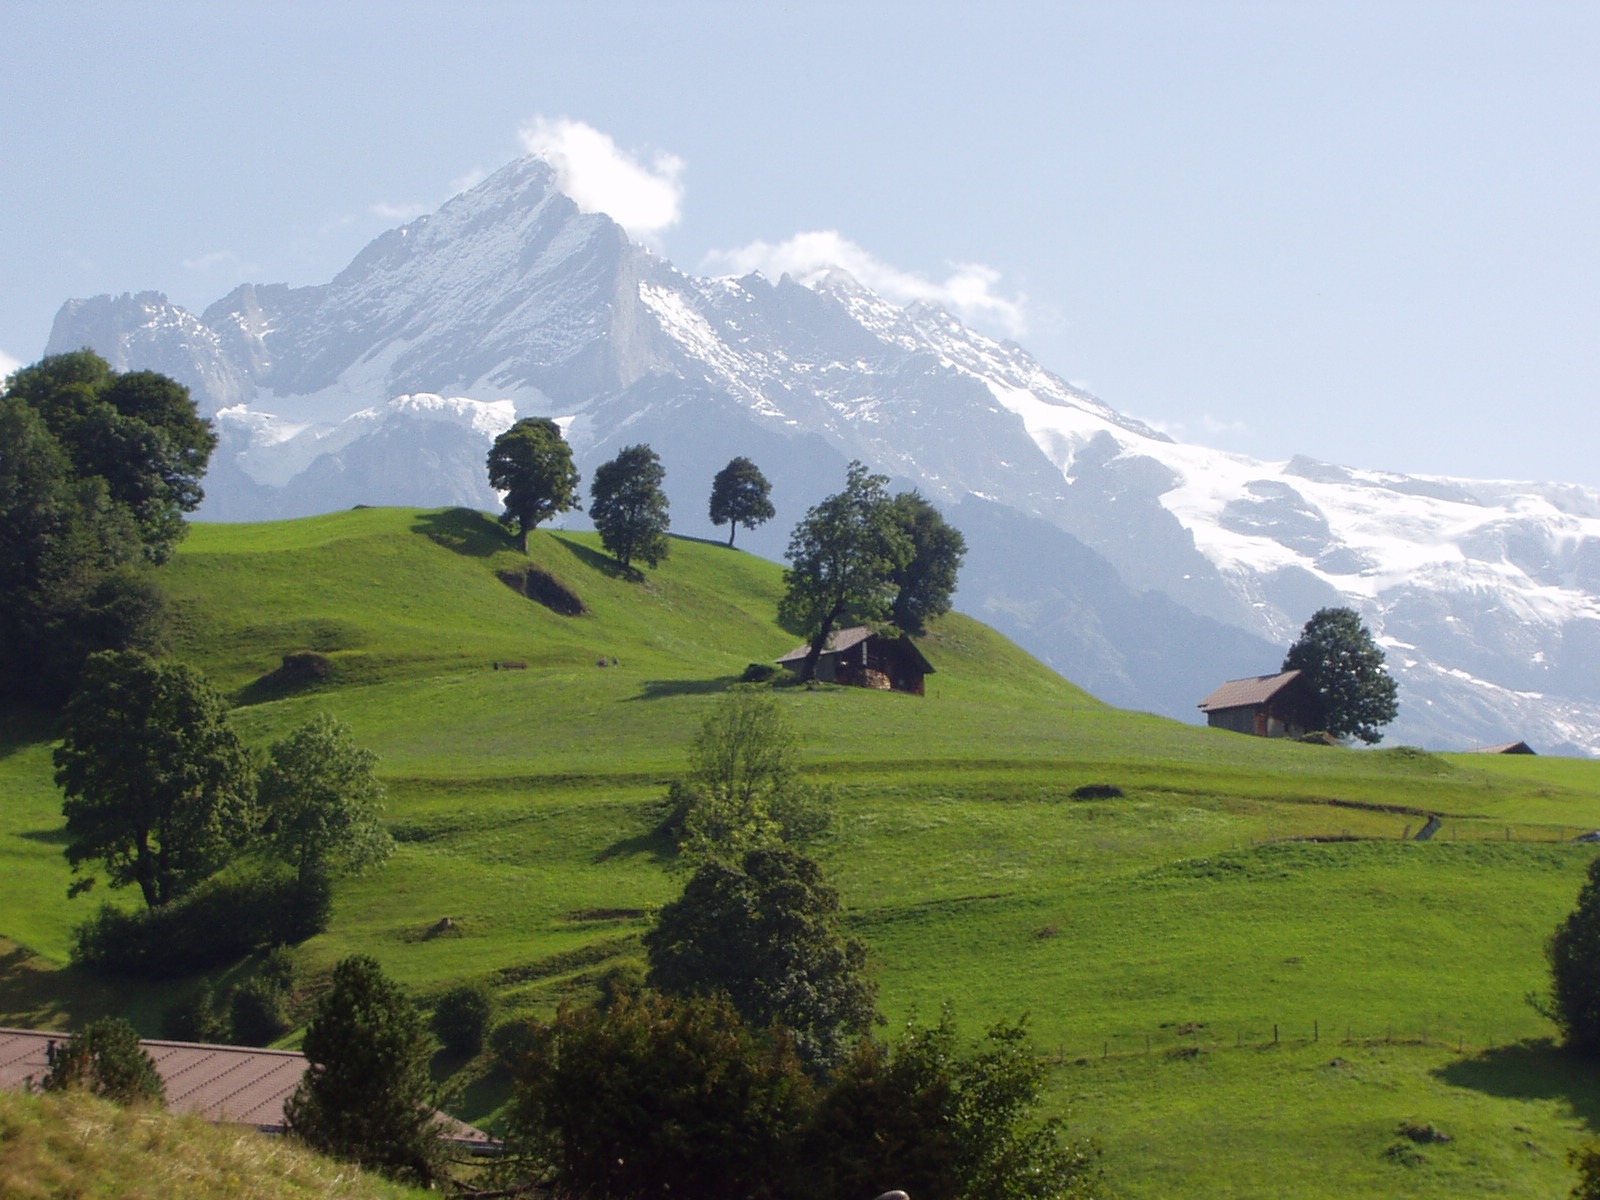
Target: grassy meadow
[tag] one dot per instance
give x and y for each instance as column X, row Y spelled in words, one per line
column 1247, row 974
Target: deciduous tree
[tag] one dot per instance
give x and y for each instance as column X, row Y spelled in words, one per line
column 741, row 495
column 656, row 1096
column 925, row 581
column 159, row 789
column 765, row 930
column 532, row 464
column 367, row 1095
column 629, row 508
column 843, row 556
column 320, row 800
column 1344, row 667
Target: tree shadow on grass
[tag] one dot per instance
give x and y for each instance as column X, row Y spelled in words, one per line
column 1534, row 1069
column 50, row 837
column 660, row 689
column 596, row 561
column 464, row 530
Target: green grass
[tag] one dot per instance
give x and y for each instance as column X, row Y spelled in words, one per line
column 1190, row 912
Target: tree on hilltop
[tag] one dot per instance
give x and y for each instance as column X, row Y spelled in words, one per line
column 925, row 581
column 1344, row 666
column 532, row 464
column 741, row 495
column 843, row 557
column 629, row 508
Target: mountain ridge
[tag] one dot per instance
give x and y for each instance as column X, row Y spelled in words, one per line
column 509, row 301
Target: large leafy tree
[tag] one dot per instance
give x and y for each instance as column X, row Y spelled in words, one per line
column 320, row 800
column 532, row 464
column 159, row 788
column 367, row 1095
column 926, row 580
column 1344, row 667
column 765, row 930
column 741, row 495
column 139, row 432
column 629, row 508
column 843, row 557
column 97, row 471
column 1573, row 952
column 657, row 1096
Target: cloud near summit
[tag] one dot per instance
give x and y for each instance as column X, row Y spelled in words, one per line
column 969, row 291
column 645, row 198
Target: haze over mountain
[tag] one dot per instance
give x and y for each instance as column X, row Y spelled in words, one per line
column 1143, row 569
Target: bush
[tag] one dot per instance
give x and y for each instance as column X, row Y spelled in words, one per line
column 461, row 1018
column 758, row 673
column 258, row 1012
column 107, row 1060
column 197, row 1018
column 219, row 922
column 943, row 1123
column 512, row 1041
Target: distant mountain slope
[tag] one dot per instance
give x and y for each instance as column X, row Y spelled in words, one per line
column 1166, row 566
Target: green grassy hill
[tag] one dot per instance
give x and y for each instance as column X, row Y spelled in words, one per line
column 1249, row 977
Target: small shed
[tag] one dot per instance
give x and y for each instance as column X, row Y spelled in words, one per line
column 1281, row 705
column 860, row 657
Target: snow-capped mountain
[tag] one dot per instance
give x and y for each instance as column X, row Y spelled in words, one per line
column 1145, row 569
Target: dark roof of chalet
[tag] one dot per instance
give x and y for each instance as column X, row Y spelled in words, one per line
column 841, row 640
column 232, row 1085
column 1507, row 748
column 1246, row 693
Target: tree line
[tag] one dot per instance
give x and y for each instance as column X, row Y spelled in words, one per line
column 859, row 556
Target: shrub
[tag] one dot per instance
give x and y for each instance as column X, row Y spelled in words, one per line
column 220, row 922
column 196, row 1018
column 758, row 673
column 461, row 1018
column 511, row 1041
column 107, row 1060
column 258, row 1012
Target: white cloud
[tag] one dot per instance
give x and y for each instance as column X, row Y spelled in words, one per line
column 969, row 291
column 7, row 364
column 1210, row 426
column 645, row 198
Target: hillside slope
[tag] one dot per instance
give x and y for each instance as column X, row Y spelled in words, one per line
column 1179, row 945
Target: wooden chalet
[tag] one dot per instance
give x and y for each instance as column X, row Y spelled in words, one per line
column 1506, row 748
column 226, row 1085
column 859, row 657
column 1281, row 705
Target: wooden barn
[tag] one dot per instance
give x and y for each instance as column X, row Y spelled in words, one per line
column 1280, row 705
column 861, row 658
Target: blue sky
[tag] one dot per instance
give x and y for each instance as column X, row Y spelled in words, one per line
column 1363, row 232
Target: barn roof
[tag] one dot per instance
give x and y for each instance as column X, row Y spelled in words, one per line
column 232, row 1085
column 839, row 641
column 1506, row 748
column 1245, row 693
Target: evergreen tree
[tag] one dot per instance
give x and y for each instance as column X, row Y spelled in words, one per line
column 629, row 508
column 1344, row 667
column 107, row 1060
column 741, row 495
column 1573, row 952
column 532, row 464
column 367, row 1095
